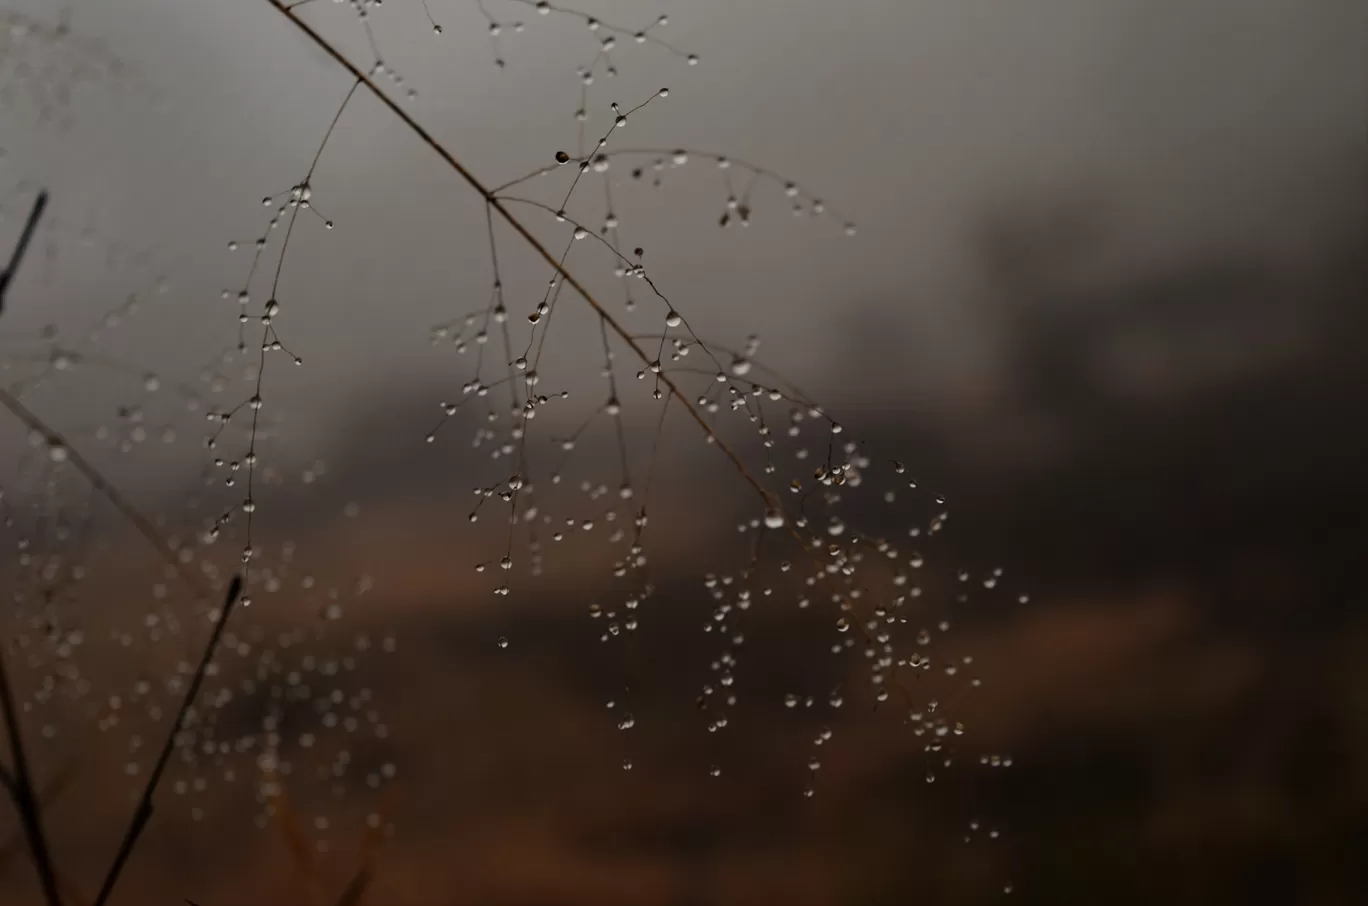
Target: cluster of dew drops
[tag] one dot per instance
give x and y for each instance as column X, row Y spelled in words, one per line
column 496, row 30
column 329, row 689
column 808, row 553
column 808, row 550
column 285, row 710
column 285, row 682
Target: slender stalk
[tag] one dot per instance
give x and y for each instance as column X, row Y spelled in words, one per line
column 143, row 812
column 20, row 787
column 18, row 783
column 30, row 227
column 493, row 201
column 356, row 888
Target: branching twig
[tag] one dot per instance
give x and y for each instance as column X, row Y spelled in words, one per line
column 494, row 202
column 356, row 888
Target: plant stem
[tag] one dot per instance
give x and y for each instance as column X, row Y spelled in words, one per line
column 30, row 227
column 20, row 787
column 494, row 202
column 143, row 812
column 108, row 491
column 19, row 784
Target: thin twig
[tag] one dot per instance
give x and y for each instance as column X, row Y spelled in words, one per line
column 20, row 787
column 143, row 812
column 47, row 794
column 30, row 227
column 356, row 888
column 17, row 782
column 757, row 172
column 493, row 201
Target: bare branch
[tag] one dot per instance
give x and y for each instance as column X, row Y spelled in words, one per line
column 30, row 227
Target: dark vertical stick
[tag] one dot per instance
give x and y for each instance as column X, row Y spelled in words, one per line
column 20, row 788
column 143, row 812
column 30, row 227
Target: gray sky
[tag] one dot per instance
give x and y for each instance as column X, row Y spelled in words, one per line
column 1190, row 132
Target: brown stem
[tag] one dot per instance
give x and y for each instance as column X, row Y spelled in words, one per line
column 18, row 783
column 30, row 227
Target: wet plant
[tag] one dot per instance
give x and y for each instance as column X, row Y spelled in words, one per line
column 584, row 488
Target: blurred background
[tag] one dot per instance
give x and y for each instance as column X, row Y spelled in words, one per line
column 1104, row 298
